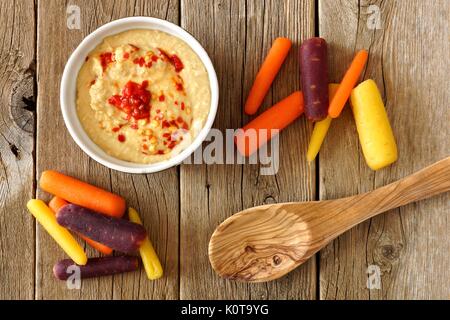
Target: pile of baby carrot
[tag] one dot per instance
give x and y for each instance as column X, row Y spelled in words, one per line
column 321, row 102
column 96, row 216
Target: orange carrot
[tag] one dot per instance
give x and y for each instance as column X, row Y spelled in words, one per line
column 347, row 84
column 267, row 74
column 57, row 203
column 82, row 193
column 97, row 245
column 261, row 129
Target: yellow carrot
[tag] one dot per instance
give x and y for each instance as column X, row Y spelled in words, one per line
column 150, row 260
column 320, row 128
column 374, row 131
column 45, row 216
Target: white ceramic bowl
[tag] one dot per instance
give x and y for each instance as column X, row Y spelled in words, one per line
column 68, row 92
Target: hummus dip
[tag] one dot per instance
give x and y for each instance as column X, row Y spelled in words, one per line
column 143, row 95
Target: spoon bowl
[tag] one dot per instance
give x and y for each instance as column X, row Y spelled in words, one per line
column 243, row 245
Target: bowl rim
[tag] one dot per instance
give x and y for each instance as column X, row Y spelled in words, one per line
column 74, row 64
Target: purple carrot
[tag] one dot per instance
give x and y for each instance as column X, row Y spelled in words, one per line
column 118, row 234
column 96, row 267
column 314, row 78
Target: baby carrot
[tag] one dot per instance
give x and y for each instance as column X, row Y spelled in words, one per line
column 62, row 236
column 261, row 129
column 320, row 129
column 97, row 267
column 347, row 84
column 267, row 74
column 119, row 234
column 57, row 203
column 82, row 193
column 97, row 245
column 150, row 260
column 374, row 130
column 314, row 78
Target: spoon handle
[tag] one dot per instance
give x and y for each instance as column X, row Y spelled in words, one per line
column 430, row 181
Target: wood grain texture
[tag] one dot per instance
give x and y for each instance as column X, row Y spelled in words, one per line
column 237, row 35
column 295, row 180
column 409, row 244
column 154, row 196
column 266, row 242
column 407, row 60
column 17, row 114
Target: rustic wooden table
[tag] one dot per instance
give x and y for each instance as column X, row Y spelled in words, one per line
column 409, row 55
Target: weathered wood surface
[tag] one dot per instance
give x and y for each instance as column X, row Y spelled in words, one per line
column 237, row 35
column 182, row 206
column 17, row 111
column 155, row 196
column 411, row 244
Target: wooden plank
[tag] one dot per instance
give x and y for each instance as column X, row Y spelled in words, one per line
column 237, row 34
column 410, row 244
column 155, row 196
column 17, row 109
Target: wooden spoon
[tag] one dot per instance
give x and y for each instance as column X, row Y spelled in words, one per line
column 266, row 242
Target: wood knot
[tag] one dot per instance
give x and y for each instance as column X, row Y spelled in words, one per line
column 269, row 200
column 15, row 151
column 249, row 249
column 22, row 101
column 390, row 252
column 276, row 260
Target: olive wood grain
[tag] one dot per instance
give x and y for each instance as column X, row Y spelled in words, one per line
column 266, row 242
